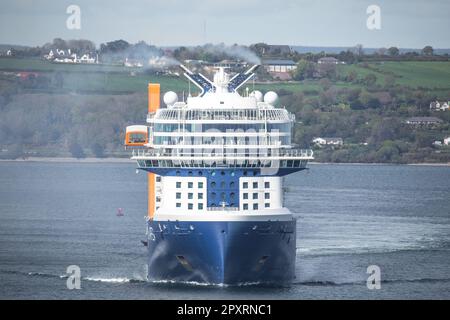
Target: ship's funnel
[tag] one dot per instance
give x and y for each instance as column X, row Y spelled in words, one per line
column 153, row 97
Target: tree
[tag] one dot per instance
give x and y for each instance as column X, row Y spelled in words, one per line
column 352, row 76
column 98, row 150
column 364, row 98
column 305, row 70
column 389, row 81
column 359, row 50
column 114, row 46
column 427, row 51
column 370, row 80
column 76, row 150
column 393, row 51
column 382, row 51
column 325, row 84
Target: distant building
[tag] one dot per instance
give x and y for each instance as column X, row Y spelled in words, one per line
column 328, row 141
column 86, row 58
column 9, row 53
column 436, row 106
column 66, row 56
column 329, row 60
column 279, row 65
column 447, row 141
column 231, row 64
column 132, row 63
column 427, row 121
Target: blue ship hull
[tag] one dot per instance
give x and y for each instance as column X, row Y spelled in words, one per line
column 222, row 252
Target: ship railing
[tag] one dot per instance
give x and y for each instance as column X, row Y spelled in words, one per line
column 306, row 154
column 242, row 114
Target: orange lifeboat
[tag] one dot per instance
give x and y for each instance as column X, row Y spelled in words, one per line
column 136, row 136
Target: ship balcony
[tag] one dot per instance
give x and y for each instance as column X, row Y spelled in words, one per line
column 284, row 158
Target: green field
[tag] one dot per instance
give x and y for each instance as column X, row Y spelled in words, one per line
column 434, row 76
column 121, row 82
column 414, row 74
column 18, row 64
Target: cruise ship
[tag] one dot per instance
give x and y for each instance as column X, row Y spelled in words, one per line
column 215, row 164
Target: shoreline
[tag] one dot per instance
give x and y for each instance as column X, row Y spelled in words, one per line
column 68, row 159
column 128, row 160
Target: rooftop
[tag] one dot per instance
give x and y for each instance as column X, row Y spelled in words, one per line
column 278, row 62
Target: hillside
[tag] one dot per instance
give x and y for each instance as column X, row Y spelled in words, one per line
column 81, row 110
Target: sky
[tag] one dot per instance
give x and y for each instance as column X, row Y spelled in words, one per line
column 403, row 23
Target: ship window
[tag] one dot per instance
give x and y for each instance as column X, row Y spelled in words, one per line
column 200, row 206
column 213, row 204
column 213, row 173
column 232, row 195
column 222, row 184
column 245, row 173
column 190, row 195
column 158, row 199
column 231, row 184
column 255, row 185
column 190, row 173
column 267, row 195
column 178, row 205
column 245, row 195
column 245, row 206
column 245, row 185
column 200, row 173
column 266, row 184
column 178, row 185
column 255, row 206
column 190, row 185
column 200, row 195
column 178, row 173
column 158, row 178
column 200, row 185
column 254, row 172
column 222, row 196
column 222, row 173
column 232, row 173
column 255, row 196
column 190, row 206
column 267, row 205
column 213, row 195
column 213, row 184
column 178, row 195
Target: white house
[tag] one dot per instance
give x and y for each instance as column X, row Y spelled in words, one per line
column 329, row 60
column 69, row 57
column 279, row 65
column 328, row 141
column 436, row 106
column 86, row 58
column 447, row 141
